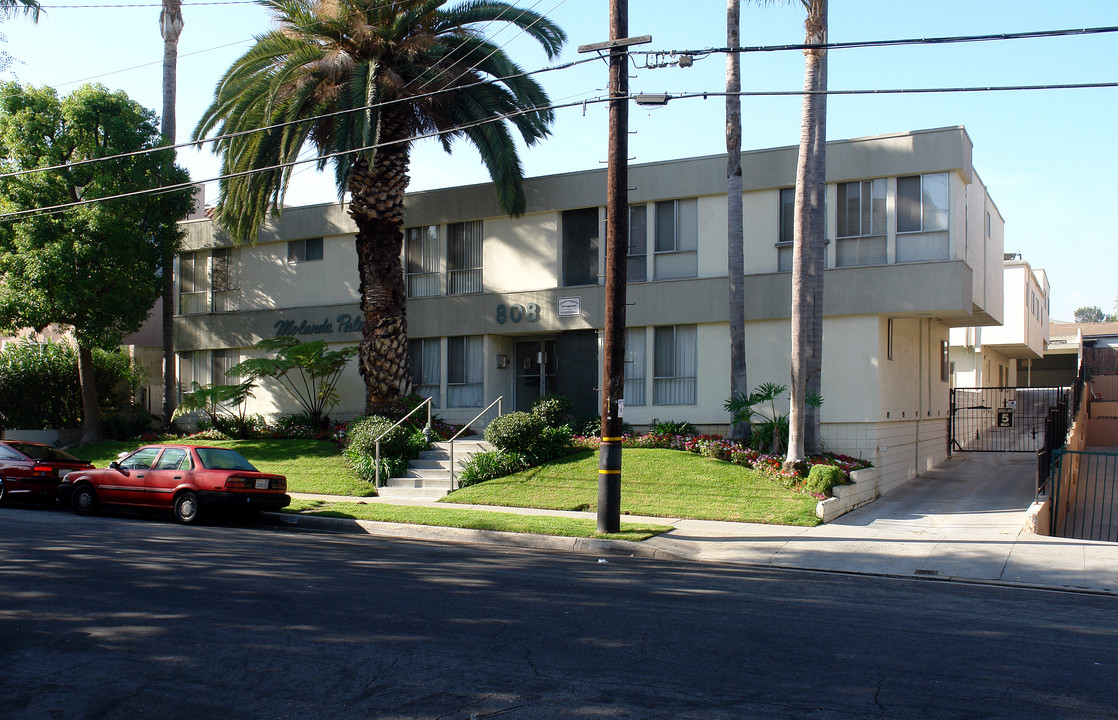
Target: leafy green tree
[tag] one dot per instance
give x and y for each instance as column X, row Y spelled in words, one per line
column 308, row 370
column 366, row 77
column 1089, row 314
column 93, row 267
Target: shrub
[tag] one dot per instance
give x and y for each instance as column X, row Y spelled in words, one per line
column 125, row 423
column 552, row 442
column 397, row 448
column 552, row 410
column 821, row 478
column 516, row 432
column 671, row 427
column 484, row 466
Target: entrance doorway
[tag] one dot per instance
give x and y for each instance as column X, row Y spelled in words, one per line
column 537, row 372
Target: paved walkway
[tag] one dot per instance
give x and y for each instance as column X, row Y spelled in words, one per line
column 964, row 520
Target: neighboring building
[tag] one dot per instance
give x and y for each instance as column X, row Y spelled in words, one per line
column 1060, row 363
column 513, row 307
column 1002, row 355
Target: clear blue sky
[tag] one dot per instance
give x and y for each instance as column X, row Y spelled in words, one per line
column 1047, row 157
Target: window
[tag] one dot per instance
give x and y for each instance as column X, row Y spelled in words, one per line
column 421, row 267
column 677, row 239
column 786, row 241
column 637, row 268
column 580, row 247
column 223, row 281
column 635, row 364
column 191, row 300
column 463, row 262
column 861, row 223
column 220, row 362
column 464, row 377
column 173, row 459
column 140, row 460
column 944, row 368
column 425, row 363
column 889, row 339
column 304, row 250
column 674, row 365
column 922, row 203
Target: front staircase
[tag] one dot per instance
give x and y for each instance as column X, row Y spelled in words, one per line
column 428, row 476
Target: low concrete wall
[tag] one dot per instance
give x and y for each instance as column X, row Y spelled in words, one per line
column 58, row 438
column 1038, row 517
column 866, row 488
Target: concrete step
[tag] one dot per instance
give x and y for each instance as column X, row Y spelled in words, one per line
column 426, row 474
column 419, row 482
column 405, row 493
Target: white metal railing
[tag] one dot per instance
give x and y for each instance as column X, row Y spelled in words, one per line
column 453, row 467
column 427, row 431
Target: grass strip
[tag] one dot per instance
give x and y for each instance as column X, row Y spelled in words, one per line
column 661, row 483
column 473, row 519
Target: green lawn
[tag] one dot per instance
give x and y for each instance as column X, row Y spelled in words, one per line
column 311, row 466
column 662, row 483
column 474, row 519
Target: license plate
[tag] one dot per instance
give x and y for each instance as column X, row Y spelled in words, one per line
column 261, row 484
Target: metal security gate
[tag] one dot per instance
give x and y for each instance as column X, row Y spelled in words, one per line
column 1001, row 419
column 1084, row 497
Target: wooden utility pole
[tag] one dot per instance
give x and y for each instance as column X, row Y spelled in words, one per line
column 617, row 252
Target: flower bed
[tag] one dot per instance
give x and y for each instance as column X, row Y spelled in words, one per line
column 720, row 448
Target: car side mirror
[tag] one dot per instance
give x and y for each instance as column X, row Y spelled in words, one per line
column 114, row 465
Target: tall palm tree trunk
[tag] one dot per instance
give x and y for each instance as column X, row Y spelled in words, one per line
column 808, row 253
column 170, row 27
column 735, row 232
column 377, row 207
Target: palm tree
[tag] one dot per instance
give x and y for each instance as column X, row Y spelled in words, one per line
column 170, row 27
column 10, row 8
column 365, row 77
column 807, row 255
column 735, row 231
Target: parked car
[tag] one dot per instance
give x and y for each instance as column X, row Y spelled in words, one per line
column 32, row 469
column 185, row 479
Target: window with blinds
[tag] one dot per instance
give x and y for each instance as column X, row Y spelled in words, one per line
column 421, row 252
column 463, row 258
column 675, row 365
column 635, row 364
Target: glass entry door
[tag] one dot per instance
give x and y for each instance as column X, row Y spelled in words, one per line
column 537, row 371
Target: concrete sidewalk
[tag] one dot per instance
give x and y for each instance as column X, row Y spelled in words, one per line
column 964, row 520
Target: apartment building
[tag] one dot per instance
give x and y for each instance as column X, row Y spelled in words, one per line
column 513, row 307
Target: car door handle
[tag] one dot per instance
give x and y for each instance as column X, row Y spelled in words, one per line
column 139, row 475
column 178, row 477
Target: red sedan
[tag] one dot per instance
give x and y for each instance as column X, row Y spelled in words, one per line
column 32, row 469
column 185, row 479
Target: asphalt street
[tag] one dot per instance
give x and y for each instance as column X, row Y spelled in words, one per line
column 122, row 617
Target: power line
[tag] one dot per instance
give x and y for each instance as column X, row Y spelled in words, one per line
column 577, row 103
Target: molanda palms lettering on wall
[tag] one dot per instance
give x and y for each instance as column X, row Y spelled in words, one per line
column 346, row 323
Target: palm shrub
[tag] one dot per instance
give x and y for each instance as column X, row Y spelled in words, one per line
column 671, row 427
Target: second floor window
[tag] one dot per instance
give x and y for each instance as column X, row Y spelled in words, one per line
column 861, row 208
column 637, row 264
column 421, row 253
column 922, row 203
column 306, row 250
column 677, row 239
column 223, row 281
column 463, row 258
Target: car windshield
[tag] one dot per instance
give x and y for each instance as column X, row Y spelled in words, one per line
column 222, row 459
column 42, row 452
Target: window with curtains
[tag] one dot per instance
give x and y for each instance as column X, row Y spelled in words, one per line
column 306, row 250
column 464, row 377
column 637, row 267
column 424, row 353
column 635, row 364
column 677, row 239
column 861, row 223
column 421, row 266
column 463, row 258
column 675, row 365
column 192, row 300
column 220, row 362
column 223, row 281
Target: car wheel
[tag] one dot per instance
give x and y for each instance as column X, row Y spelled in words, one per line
column 186, row 507
column 84, row 500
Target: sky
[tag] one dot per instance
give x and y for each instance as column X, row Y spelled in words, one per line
column 1037, row 151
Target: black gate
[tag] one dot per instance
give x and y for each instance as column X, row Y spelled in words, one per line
column 1001, row 419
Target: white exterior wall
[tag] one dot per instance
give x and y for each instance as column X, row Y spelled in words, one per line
column 267, row 280
column 521, row 253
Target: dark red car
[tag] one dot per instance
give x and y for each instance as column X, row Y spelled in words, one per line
column 185, row 479
column 30, row 469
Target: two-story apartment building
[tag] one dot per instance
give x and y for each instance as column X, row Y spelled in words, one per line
column 513, row 307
